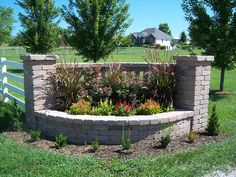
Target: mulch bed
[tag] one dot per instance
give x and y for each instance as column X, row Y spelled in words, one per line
column 150, row 147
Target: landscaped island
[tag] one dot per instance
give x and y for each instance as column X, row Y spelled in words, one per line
column 104, row 99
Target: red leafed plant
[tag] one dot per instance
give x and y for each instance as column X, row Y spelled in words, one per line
column 124, row 109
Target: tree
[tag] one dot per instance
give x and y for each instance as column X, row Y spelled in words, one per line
column 214, row 31
column 6, row 24
column 96, row 26
column 165, row 28
column 125, row 41
column 17, row 40
column 62, row 37
column 40, row 28
column 183, row 38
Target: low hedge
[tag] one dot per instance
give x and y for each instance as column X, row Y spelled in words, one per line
column 11, row 117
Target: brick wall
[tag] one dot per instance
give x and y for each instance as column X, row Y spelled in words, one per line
column 37, row 84
column 193, row 74
column 108, row 129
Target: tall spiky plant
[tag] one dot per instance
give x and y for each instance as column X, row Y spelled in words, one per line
column 161, row 78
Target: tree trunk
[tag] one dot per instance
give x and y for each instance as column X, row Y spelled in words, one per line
column 222, row 79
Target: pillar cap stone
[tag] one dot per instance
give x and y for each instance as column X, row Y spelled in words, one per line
column 39, row 57
column 193, row 58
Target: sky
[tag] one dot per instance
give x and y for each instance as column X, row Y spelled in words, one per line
column 144, row 14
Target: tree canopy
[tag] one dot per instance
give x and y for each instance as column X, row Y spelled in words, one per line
column 213, row 28
column 6, row 23
column 165, row 28
column 95, row 26
column 183, row 38
column 40, row 28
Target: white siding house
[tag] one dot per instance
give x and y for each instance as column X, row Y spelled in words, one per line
column 152, row 36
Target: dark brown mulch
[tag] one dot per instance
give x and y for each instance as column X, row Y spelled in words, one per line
column 150, row 147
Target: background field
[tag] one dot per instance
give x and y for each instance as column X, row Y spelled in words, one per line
column 125, row 54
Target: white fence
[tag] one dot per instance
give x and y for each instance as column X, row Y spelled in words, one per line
column 5, row 86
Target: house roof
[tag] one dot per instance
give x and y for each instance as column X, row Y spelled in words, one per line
column 158, row 34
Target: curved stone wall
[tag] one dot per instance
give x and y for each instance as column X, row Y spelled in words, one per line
column 83, row 129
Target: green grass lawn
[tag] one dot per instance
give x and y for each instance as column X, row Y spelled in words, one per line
column 20, row 160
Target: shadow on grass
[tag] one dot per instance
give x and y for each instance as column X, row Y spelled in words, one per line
column 15, row 71
column 216, row 95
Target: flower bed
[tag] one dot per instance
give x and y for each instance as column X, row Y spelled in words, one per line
column 151, row 84
column 117, row 91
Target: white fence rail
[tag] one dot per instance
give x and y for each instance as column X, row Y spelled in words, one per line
column 5, row 86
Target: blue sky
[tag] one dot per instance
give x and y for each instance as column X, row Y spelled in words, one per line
column 145, row 14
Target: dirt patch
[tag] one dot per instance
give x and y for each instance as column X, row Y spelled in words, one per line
column 147, row 147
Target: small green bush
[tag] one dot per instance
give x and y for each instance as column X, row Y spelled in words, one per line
column 35, row 135
column 11, row 117
column 95, row 145
column 213, row 126
column 165, row 140
column 166, row 136
column 83, row 107
column 104, row 108
column 150, row 107
column 61, row 141
column 125, row 141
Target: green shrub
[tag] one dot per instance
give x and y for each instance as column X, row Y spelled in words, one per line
column 83, row 107
column 104, row 108
column 35, row 135
column 11, row 117
column 166, row 136
column 125, row 141
column 165, row 140
column 149, row 107
column 61, row 141
column 100, row 92
column 163, row 47
column 124, row 109
column 124, row 85
column 213, row 126
column 192, row 136
column 95, row 145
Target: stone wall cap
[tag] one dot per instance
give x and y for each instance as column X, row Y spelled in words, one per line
column 40, row 57
column 194, row 58
column 113, row 120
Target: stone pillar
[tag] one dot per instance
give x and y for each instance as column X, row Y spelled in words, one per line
column 193, row 85
column 37, row 84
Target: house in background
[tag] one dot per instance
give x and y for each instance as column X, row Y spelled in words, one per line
column 152, row 36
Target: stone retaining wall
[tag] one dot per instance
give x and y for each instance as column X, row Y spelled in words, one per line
column 108, row 129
